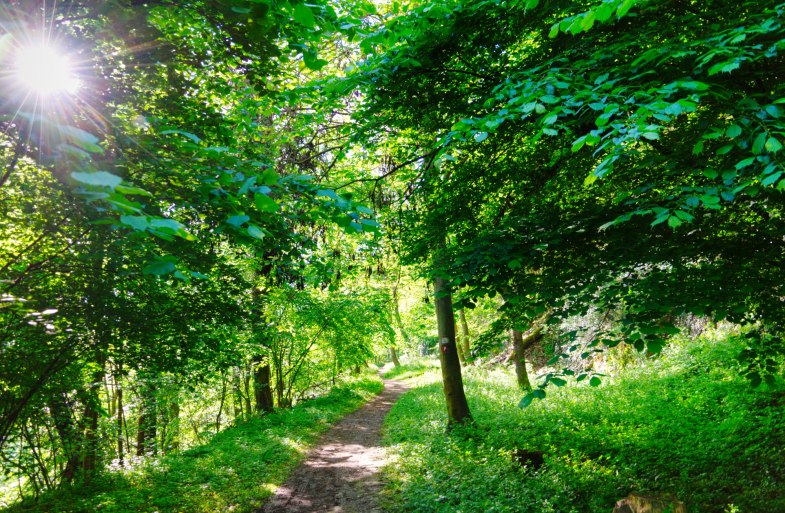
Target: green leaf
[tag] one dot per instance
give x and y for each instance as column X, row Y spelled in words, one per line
column 709, row 199
column 595, row 381
column 625, row 7
column 604, row 12
column 165, row 224
column 554, row 31
column 576, row 27
column 684, row 216
column 758, row 144
column 578, row 144
column 265, row 203
column 744, row 163
column 304, row 16
column 773, row 111
column 313, row 62
column 733, row 131
column 724, row 67
column 588, row 21
column 159, row 268
column 98, row 179
column 329, row 193
column 559, row 382
column 256, row 232
column 771, row 179
column 80, row 138
column 187, row 135
column 125, row 189
column 247, row 185
column 526, row 401
column 238, row 220
column 480, row 136
column 773, row 145
column 655, row 345
column 139, row 223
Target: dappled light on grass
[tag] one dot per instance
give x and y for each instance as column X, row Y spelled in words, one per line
column 687, row 424
column 235, row 471
column 412, row 369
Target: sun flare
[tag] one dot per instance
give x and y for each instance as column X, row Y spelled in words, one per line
column 46, row 71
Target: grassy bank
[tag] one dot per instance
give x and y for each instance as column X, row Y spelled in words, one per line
column 684, row 424
column 234, row 472
column 412, row 369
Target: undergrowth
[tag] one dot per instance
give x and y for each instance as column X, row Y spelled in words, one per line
column 684, row 424
column 235, row 471
column 412, row 369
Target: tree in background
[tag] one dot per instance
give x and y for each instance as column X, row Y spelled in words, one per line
column 620, row 155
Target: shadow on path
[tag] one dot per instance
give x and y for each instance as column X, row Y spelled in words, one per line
column 341, row 474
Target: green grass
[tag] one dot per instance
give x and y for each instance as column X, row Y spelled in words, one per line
column 236, row 471
column 412, row 369
column 684, row 424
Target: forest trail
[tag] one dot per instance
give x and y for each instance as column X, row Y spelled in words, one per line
column 340, row 475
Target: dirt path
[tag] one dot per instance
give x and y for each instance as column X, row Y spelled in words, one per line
column 341, row 474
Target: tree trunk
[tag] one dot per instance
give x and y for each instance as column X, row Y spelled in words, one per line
column 119, row 429
column 459, row 349
column 398, row 321
column 280, row 386
column 247, row 375
column 63, row 418
column 518, row 350
column 394, row 357
column 91, row 415
column 457, row 407
column 146, row 429
column 221, row 403
column 261, row 383
column 174, row 423
column 465, row 337
column 238, row 394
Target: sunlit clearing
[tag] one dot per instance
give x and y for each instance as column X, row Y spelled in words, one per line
column 45, row 71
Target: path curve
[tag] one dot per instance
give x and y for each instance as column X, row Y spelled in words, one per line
column 341, row 475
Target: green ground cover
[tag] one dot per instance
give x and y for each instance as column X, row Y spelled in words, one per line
column 684, row 423
column 412, row 369
column 234, row 472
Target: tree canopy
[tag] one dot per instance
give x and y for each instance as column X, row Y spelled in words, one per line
column 226, row 193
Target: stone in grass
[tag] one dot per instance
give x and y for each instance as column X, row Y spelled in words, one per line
column 649, row 503
column 532, row 460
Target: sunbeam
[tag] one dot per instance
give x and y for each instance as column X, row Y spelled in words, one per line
column 45, row 70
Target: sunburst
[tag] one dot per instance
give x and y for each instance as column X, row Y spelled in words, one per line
column 45, row 71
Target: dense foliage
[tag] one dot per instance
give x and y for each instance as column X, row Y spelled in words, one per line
column 684, row 424
column 232, row 204
column 235, row 471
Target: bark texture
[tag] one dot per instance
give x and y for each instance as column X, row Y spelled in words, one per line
column 263, row 395
column 457, row 407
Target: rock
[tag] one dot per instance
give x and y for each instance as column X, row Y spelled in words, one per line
column 647, row 503
column 531, row 459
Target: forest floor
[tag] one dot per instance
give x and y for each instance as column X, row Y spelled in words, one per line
column 341, row 474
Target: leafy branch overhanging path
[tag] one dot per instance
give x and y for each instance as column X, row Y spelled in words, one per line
column 341, row 474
